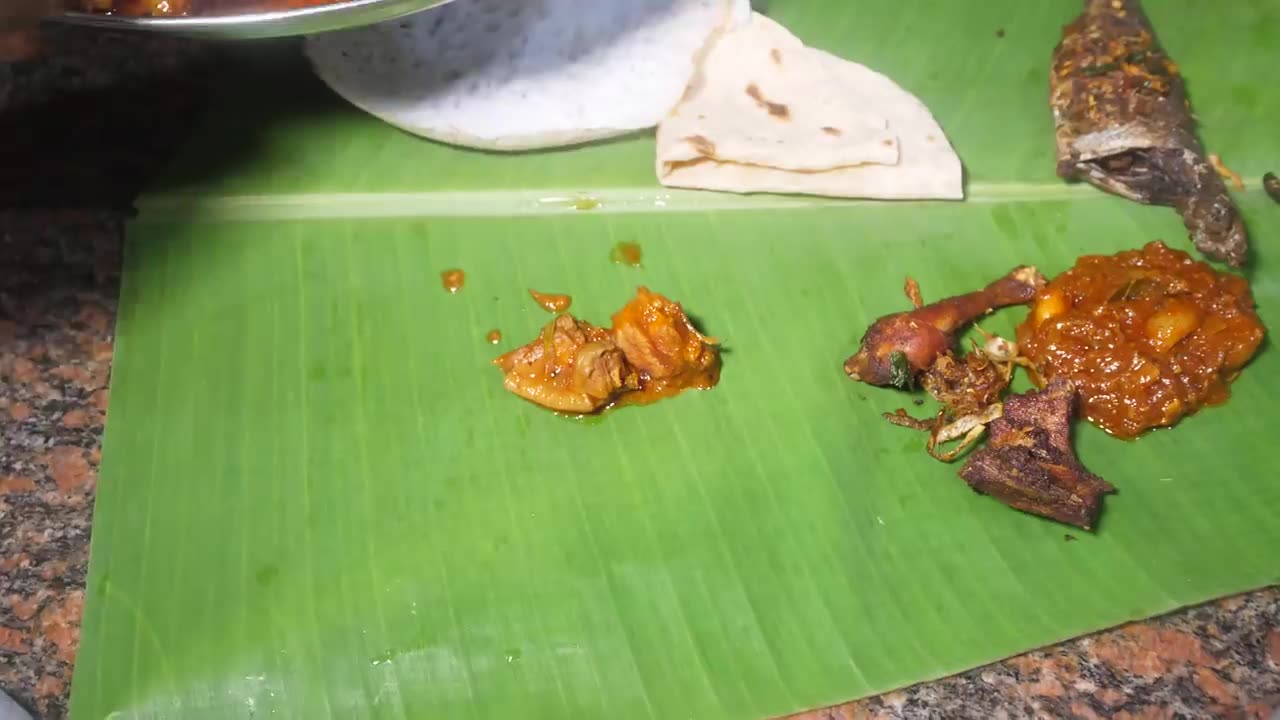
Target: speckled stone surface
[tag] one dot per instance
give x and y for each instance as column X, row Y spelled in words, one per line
column 69, row 165
column 81, row 127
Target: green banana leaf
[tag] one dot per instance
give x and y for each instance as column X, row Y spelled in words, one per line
column 317, row 500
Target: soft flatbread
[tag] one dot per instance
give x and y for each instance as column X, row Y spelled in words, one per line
column 523, row 74
column 765, row 113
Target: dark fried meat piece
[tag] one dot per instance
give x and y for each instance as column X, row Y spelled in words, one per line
column 1124, row 125
column 897, row 348
column 1028, row 462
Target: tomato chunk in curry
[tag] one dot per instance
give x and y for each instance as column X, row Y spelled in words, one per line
column 1147, row 336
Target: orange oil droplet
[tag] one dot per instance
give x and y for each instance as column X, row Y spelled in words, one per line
column 453, row 280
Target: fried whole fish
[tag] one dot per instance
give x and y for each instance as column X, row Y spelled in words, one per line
column 1124, row 124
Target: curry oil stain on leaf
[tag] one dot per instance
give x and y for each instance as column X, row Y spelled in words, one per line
column 627, row 253
column 1244, row 97
column 266, row 575
column 1263, row 32
column 1059, row 225
column 1002, row 216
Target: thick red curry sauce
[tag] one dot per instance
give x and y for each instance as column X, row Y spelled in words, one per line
column 1148, row 336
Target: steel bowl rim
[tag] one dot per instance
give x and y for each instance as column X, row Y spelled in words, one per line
column 306, row 20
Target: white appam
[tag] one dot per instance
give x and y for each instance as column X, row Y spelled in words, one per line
column 523, row 74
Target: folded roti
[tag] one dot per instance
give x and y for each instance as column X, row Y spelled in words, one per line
column 765, row 113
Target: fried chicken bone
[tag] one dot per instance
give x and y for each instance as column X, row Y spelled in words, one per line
column 898, row 347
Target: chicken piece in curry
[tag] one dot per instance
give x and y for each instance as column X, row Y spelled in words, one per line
column 1146, row 336
column 573, row 367
column 652, row 351
column 670, row 354
column 898, row 347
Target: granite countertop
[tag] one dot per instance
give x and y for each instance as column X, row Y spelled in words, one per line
column 79, row 129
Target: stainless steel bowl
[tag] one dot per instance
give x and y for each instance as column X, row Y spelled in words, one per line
column 302, row 21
